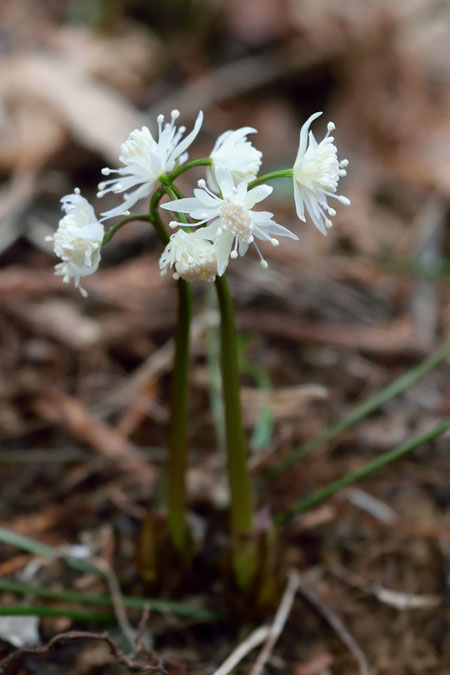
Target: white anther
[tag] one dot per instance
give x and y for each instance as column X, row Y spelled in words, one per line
column 343, row 200
column 126, row 213
column 101, row 186
column 160, row 119
column 77, row 191
column 344, row 162
column 173, row 224
column 331, row 126
column 106, row 171
column 181, row 130
column 264, row 264
column 233, row 254
column 175, row 114
column 328, row 222
column 331, row 211
column 100, row 194
column 117, row 187
column 201, row 183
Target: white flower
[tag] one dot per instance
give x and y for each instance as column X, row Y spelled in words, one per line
column 145, row 159
column 316, row 176
column 234, row 152
column 233, row 221
column 78, row 239
column 193, row 257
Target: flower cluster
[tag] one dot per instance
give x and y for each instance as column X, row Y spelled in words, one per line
column 221, row 209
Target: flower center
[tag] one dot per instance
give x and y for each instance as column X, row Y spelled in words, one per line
column 320, row 167
column 236, row 219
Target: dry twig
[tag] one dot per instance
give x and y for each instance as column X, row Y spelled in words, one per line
column 254, row 639
column 337, row 625
column 278, row 623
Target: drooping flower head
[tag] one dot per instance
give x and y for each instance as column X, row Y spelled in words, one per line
column 232, row 151
column 78, row 239
column 145, row 159
column 233, row 225
column 316, row 176
column 192, row 257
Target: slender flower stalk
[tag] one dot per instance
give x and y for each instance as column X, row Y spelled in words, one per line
column 244, row 553
column 178, row 432
column 176, row 491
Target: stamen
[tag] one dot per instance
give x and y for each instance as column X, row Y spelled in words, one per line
column 343, row 200
column 331, row 126
column 175, row 114
column 274, row 242
column 106, row 171
column 77, row 191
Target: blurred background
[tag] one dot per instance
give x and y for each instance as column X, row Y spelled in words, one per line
column 84, row 383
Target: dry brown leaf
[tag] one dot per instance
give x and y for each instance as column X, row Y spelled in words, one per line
column 98, row 117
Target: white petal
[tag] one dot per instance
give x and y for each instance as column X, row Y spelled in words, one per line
column 243, row 247
column 223, row 250
column 280, row 230
column 304, row 135
column 299, row 203
column 186, row 205
column 225, row 182
column 129, row 201
column 186, row 142
column 257, row 194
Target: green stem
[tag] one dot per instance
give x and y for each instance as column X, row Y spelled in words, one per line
column 364, row 409
column 362, row 472
column 283, row 173
column 177, row 462
column 204, row 161
column 154, row 216
column 130, row 602
column 244, row 548
column 241, row 502
column 120, row 223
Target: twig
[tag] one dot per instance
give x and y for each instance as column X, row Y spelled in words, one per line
column 337, row 625
column 117, row 600
column 398, row 600
column 279, row 621
column 254, row 639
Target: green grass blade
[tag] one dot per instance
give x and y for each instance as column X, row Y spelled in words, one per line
column 364, row 409
column 131, row 602
column 362, row 472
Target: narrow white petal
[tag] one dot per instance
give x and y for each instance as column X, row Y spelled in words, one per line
column 186, row 142
column 186, row 205
column 299, row 203
column 225, row 182
column 223, row 248
column 304, row 135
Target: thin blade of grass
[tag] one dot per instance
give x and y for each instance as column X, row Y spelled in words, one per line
column 362, row 472
column 131, row 602
column 363, row 410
